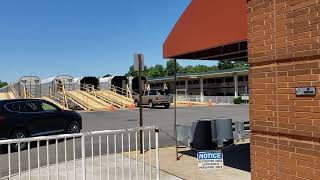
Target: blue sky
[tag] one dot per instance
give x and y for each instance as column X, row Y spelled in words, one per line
column 82, row 37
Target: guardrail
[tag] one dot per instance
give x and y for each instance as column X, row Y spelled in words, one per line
column 214, row 99
column 91, row 162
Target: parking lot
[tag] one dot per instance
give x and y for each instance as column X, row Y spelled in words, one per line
column 163, row 118
column 93, row 121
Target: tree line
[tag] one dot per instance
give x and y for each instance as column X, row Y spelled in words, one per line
column 2, row 84
column 161, row 71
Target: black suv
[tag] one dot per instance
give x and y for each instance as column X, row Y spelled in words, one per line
column 21, row 118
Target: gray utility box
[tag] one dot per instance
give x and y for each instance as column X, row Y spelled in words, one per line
column 224, row 130
column 206, row 134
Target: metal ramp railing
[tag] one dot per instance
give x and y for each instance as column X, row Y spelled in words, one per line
column 107, row 154
column 110, row 97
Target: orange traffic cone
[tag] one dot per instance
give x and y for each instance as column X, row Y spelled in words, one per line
column 210, row 103
column 112, row 108
column 132, row 106
column 189, row 104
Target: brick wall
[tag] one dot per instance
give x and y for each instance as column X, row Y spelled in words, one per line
column 283, row 45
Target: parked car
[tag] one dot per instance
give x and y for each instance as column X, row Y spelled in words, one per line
column 21, row 118
column 155, row 97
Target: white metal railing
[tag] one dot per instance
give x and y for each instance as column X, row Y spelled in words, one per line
column 214, row 99
column 103, row 157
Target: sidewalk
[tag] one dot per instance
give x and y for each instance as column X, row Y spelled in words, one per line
column 187, row 167
column 235, row 160
column 94, row 174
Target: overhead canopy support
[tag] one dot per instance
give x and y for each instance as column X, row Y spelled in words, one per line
column 210, row 30
column 236, row 51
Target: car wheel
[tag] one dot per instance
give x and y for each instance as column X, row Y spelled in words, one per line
column 166, row 106
column 19, row 134
column 73, row 128
column 151, row 104
column 136, row 103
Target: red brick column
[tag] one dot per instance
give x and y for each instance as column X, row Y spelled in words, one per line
column 283, row 45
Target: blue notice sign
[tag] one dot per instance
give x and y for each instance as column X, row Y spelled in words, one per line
column 210, row 160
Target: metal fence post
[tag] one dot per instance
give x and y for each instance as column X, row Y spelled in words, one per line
column 83, row 150
column 157, row 153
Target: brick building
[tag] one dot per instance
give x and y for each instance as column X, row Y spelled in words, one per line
column 283, row 48
column 281, row 41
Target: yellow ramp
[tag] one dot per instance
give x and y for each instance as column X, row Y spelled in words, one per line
column 120, row 99
column 9, row 95
column 87, row 101
column 114, row 99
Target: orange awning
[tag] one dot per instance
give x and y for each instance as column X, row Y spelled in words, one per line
column 209, row 29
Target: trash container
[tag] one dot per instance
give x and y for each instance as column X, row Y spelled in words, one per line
column 224, row 130
column 202, row 134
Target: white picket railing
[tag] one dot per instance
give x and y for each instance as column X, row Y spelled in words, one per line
column 214, row 99
column 38, row 162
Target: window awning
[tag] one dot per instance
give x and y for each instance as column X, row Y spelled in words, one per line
column 210, row 29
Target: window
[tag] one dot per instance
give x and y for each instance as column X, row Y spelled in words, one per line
column 180, row 83
column 153, row 93
column 13, row 107
column 189, row 82
column 29, row 107
column 240, row 78
column 195, row 82
column 211, row 81
column 48, row 107
column 146, row 93
column 219, row 80
column 164, row 92
column 229, row 79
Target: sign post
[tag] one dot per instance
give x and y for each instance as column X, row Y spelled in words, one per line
column 139, row 65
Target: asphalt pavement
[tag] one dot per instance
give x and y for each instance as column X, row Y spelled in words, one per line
column 121, row 119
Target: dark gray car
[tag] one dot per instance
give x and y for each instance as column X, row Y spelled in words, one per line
column 21, row 118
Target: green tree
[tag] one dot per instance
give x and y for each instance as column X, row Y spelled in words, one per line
column 2, row 84
column 201, row 68
column 134, row 73
column 170, row 68
column 241, row 64
column 188, row 69
column 156, row 71
column 131, row 72
column 225, row 64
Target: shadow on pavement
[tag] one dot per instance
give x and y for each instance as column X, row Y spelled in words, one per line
column 237, row 156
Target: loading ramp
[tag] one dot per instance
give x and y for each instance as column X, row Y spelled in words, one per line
column 81, row 99
column 9, row 95
column 111, row 97
column 87, row 101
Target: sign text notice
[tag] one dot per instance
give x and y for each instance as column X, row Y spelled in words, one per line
column 210, row 160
